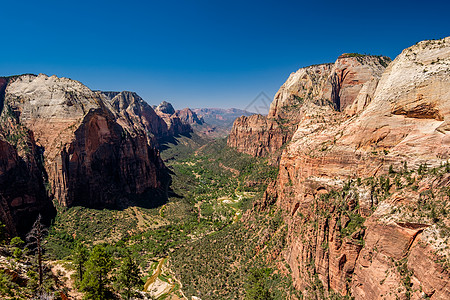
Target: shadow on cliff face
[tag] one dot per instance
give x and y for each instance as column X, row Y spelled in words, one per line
column 106, row 167
column 150, row 198
column 23, row 194
column 3, row 83
column 165, row 143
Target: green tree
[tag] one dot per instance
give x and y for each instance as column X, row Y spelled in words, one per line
column 128, row 277
column 3, row 233
column 95, row 279
column 255, row 287
column 80, row 256
column 16, row 242
column 7, row 286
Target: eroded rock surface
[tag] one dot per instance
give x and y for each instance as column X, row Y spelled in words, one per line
column 347, row 85
column 174, row 123
column 62, row 141
column 350, row 229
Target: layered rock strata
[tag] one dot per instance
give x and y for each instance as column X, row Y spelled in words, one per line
column 174, row 123
column 360, row 222
column 347, row 85
column 187, row 116
column 62, row 141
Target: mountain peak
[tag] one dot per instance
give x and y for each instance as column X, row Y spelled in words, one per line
column 166, row 107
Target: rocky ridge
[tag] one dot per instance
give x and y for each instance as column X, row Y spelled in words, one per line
column 187, row 116
column 362, row 178
column 335, row 85
column 61, row 141
column 172, row 118
column 133, row 110
column 218, row 121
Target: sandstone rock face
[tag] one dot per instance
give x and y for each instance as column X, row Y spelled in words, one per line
column 166, row 108
column 348, row 84
column 352, row 73
column 259, row 135
column 88, row 148
column 175, row 125
column 23, row 195
column 376, row 123
column 3, row 83
column 133, row 110
column 187, row 116
column 104, row 162
column 23, row 192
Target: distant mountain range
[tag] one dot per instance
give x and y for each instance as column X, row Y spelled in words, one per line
column 218, row 121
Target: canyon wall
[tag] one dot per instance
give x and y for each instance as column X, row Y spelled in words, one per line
column 337, row 85
column 61, row 141
column 187, row 116
column 172, row 118
column 363, row 182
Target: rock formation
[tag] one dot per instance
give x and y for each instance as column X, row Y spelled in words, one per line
column 360, row 222
column 187, row 116
column 62, row 141
column 338, row 85
column 220, row 117
column 133, row 110
column 174, row 124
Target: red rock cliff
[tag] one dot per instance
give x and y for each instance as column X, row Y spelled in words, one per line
column 350, row 79
column 95, row 150
column 353, row 228
column 23, row 193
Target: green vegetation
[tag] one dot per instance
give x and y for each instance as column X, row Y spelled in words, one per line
column 212, row 186
column 128, row 277
column 96, row 280
column 383, row 60
column 220, row 265
column 196, row 237
column 13, row 132
column 354, row 55
column 256, row 288
column 80, row 257
column 7, row 286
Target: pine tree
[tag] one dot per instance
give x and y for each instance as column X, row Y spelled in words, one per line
column 128, row 277
column 80, row 257
column 95, row 279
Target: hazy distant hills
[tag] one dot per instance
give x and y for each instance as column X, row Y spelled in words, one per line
column 217, row 121
column 221, row 116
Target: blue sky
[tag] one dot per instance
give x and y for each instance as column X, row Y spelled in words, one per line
column 203, row 53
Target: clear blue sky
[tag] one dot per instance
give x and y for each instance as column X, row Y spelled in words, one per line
column 203, row 53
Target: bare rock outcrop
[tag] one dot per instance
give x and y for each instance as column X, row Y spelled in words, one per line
column 76, row 146
column 356, row 241
column 174, row 123
column 138, row 116
column 23, row 194
column 187, row 116
column 347, row 85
